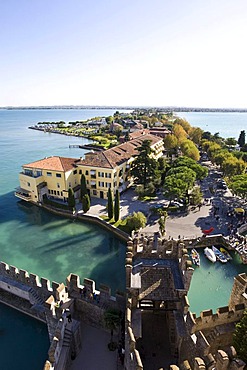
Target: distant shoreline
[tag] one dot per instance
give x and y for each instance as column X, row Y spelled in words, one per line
column 168, row 109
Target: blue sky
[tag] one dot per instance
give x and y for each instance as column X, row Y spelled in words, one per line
column 131, row 52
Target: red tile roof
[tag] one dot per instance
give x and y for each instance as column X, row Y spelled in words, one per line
column 115, row 156
column 55, row 163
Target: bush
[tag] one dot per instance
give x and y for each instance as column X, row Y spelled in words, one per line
column 136, row 221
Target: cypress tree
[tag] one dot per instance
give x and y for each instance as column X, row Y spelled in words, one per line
column 71, row 199
column 109, row 204
column 85, row 203
column 83, row 187
column 117, row 206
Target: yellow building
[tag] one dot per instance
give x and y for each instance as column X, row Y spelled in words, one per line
column 110, row 168
column 52, row 176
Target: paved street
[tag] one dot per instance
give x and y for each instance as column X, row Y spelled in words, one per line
column 189, row 223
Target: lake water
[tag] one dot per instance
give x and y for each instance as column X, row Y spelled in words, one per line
column 227, row 124
column 52, row 247
column 24, row 341
column 37, row 241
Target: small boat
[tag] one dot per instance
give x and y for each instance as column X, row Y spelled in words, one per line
column 219, row 256
column 195, row 257
column 226, row 253
column 210, row 254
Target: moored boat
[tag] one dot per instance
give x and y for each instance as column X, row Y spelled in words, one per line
column 226, row 253
column 195, row 257
column 219, row 256
column 210, row 254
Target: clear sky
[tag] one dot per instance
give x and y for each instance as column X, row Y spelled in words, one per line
column 123, row 52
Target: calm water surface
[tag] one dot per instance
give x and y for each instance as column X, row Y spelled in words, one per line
column 227, row 124
column 17, row 351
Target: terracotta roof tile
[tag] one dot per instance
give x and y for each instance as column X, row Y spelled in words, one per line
column 61, row 164
column 117, row 155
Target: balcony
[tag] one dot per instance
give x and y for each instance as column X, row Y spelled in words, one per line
column 23, row 194
column 31, row 174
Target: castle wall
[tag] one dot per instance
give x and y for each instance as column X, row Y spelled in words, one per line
column 223, row 315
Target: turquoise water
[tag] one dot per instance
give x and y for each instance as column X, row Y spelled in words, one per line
column 34, row 240
column 31, row 337
column 212, row 283
column 227, row 124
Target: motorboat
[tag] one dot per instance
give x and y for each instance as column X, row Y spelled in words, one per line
column 195, row 257
column 210, row 254
column 226, row 253
column 219, row 256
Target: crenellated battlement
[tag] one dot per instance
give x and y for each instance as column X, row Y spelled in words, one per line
column 208, row 320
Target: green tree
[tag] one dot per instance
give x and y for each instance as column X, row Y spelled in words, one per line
column 241, row 139
column 85, row 203
column 144, row 166
column 174, row 187
column 117, row 206
column 83, row 190
column 233, row 166
column 189, row 149
column 180, row 133
column 201, row 171
column 238, row 185
column 230, row 141
column 112, row 320
column 109, row 204
column 71, row 199
column 109, row 120
column 136, row 221
column 162, row 222
column 196, row 196
column 240, row 338
column 196, row 135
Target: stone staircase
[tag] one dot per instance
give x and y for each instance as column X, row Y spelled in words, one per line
column 36, row 299
column 67, row 338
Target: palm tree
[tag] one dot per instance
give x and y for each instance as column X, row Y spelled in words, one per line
column 112, row 322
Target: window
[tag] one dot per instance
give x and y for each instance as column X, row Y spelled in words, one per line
column 28, row 172
column 74, row 172
column 101, row 184
column 86, row 172
column 49, row 192
column 108, row 185
column 49, row 174
column 55, row 192
column 94, row 192
column 58, row 185
column 108, row 175
column 28, row 184
column 93, row 174
column 101, row 174
column 80, row 172
column 58, row 175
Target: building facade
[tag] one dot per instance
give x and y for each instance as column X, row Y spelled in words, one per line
column 53, row 176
